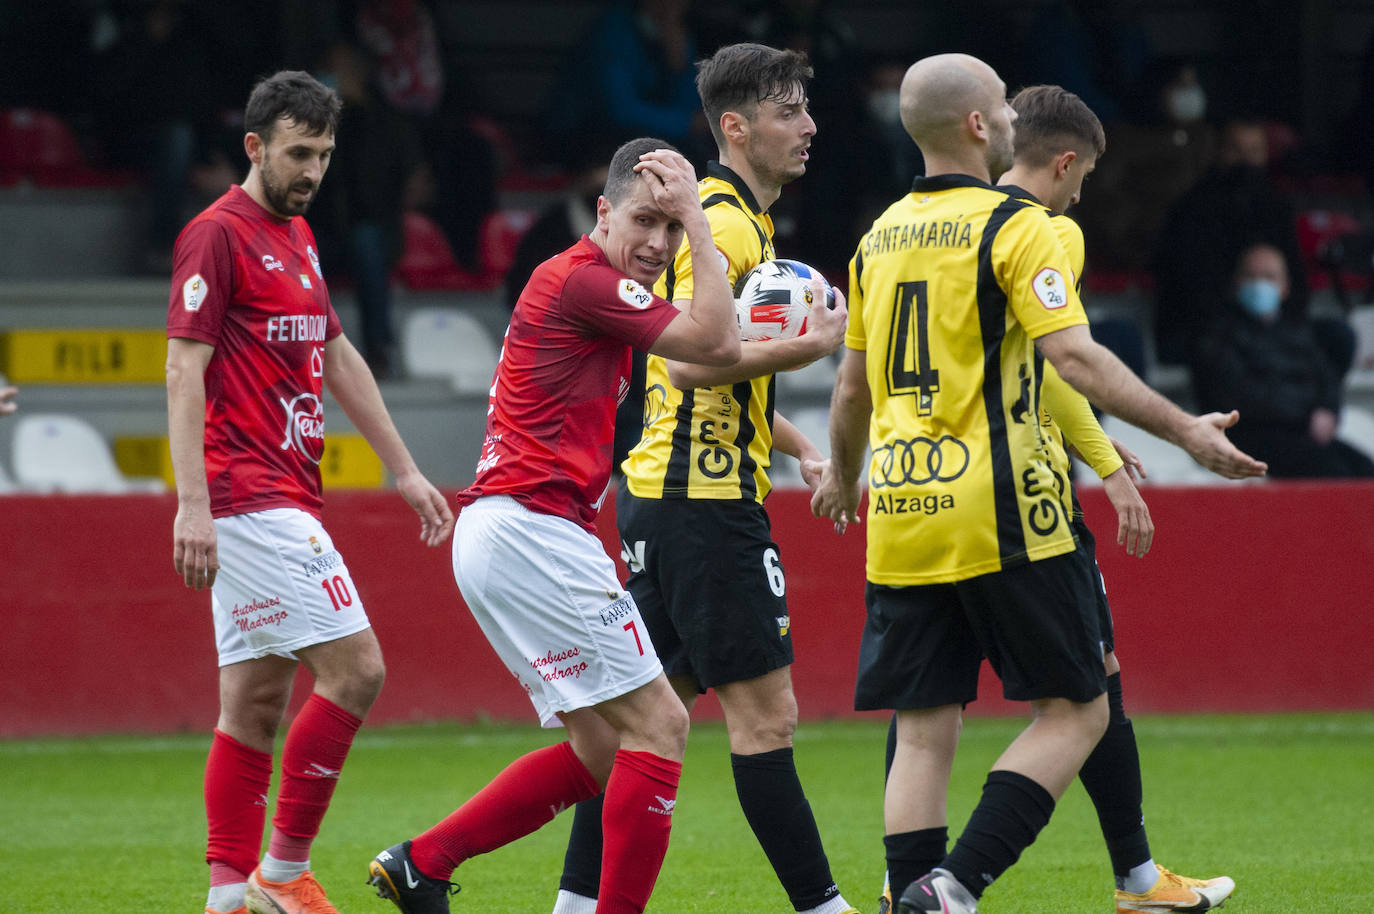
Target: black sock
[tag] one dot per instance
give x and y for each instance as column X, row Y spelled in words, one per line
column 1010, row 814
column 1111, row 776
column 772, row 799
column 912, row 854
column 582, row 862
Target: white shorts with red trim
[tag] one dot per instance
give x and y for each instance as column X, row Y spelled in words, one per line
column 281, row 586
column 546, row 595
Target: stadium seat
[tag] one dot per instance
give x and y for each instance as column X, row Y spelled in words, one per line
column 1356, row 428
column 427, row 260
column 1320, row 234
column 499, row 239
column 818, row 378
column 38, row 146
column 1362, row 322
column 446, row 343
column 54, row 452
column 7, row 483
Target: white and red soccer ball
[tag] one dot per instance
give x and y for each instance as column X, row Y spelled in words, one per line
column 773, row 300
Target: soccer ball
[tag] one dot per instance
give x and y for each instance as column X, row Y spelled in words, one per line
column 773, row 299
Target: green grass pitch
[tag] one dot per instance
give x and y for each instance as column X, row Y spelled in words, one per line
column 1284, row 804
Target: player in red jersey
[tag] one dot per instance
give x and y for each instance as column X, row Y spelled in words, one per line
column 252, row 339
column 534, row 575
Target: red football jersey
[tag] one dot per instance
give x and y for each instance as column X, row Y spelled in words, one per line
column 564, row 367
column 250, row 285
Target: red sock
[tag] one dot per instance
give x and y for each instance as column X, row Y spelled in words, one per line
column 521, row 799
column 311, row 759
column 237, row 779
column 635, row 822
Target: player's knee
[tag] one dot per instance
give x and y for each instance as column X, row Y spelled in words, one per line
column 1095, row 717
column 667, row 730
column 370, row 676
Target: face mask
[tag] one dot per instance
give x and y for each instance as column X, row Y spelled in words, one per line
column 1259, row 297
column 1187, row 104
column 883, row 106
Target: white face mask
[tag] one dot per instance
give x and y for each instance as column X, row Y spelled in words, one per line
column 1186, row 104
column 883, row 105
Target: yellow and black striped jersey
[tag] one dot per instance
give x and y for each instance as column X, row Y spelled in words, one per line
column 947, row 291
column 1065, row 414
column 709, row 442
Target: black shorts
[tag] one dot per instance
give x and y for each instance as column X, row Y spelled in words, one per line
column 708, row 581
column 1036, row 623
column 1087, row 553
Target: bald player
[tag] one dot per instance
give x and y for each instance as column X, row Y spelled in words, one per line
column 970, row 549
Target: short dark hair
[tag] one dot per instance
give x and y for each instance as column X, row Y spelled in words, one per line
column 621, row 175
column 739, row 77
column 296, row 96
column 1050, row 120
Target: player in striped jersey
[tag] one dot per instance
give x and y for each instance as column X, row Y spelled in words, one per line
column 1058, row 142
column 970, row 549
column 703, row 567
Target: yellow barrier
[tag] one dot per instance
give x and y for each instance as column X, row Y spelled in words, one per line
column 348, row 463
column 131, row 356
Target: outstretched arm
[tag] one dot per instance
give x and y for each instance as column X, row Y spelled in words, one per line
column 1100, row 376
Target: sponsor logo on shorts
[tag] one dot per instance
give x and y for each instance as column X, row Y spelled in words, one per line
column 556, row 665
column 617, row 611
column 784, row 625
column 319, row 566
column 250, row 616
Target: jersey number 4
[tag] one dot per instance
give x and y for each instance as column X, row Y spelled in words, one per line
column 908, row 353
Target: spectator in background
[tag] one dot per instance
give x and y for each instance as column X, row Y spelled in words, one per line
column 565, row 220
column 1096, row 49
column 634, row 74
column 360, row 209
column 1263, row 359
column 901, row 160
column 1233, row 206
column 1161, row 146
column 413, row 79
column 185, row 55
column 820, row 220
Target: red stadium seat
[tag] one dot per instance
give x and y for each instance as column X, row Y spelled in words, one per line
column 38, row 146
column 1318, row 228
column 500, row 237
column 427, row 261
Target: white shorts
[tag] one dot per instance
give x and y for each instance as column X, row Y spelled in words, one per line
column 546, row 595
column 281, row 586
